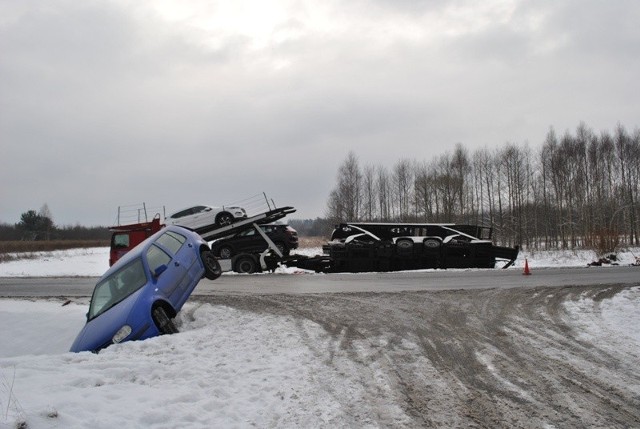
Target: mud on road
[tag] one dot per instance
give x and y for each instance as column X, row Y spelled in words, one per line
column 493, row 358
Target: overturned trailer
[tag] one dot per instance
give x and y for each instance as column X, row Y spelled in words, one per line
column 362, row 247
column 358, row 247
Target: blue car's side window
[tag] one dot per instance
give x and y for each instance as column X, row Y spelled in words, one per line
column 157, row 257
column 172, row 241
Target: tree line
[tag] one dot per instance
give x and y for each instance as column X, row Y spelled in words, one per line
column 576, row 190
column 39, row 226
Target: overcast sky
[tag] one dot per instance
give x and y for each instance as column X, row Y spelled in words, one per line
column 175, row 103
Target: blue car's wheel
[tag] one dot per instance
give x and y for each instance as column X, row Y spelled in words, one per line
column 212, row 269
column 163, row 322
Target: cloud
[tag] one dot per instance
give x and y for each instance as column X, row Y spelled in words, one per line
column 173, row 103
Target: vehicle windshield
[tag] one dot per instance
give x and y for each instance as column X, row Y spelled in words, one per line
column 121, row 240
column 116, row 288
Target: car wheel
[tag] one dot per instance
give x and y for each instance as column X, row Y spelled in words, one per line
column 431, row 243
column 404, row 244
column 163, row 322
column 281, row 248
column 224, row 219
column 212, row 268
column 225, row 252
column 246, row 265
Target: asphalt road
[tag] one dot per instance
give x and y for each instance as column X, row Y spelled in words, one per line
column 362, row 282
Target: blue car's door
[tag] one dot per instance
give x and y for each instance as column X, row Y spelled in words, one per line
column 167, row 281
column 183, row 261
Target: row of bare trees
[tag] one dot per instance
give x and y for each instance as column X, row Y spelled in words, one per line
column 578, row 190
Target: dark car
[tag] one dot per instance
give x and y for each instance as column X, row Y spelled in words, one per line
column 140, row 294
column 250, row 241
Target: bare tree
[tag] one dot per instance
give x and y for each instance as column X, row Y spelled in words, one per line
column 383, row 184
column 424, row 193
column 46, row 221
column 460, row 172
column 628, row 150
column 369, row 195
column 403, row 185
column 345, row 199
column 579, row 190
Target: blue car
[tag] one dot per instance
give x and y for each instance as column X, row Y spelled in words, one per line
column 139, row 295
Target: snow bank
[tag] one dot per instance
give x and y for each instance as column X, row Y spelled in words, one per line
column 612, row 321
column 227, row 368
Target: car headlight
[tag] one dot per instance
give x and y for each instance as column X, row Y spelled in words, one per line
column 121, row 334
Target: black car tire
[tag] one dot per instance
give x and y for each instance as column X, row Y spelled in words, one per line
column 246, row 265
column 212, row 269
column 163, row 322
column 404, row 244
column 431, row 243
column 224, row 219
column 225, row 252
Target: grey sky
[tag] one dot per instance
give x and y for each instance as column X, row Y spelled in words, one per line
column 105, row 103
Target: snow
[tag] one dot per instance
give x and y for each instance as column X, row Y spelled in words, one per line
column 59, row 263
column 226, row 368
column 617, row 318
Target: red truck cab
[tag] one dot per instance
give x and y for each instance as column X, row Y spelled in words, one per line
column 126, row 237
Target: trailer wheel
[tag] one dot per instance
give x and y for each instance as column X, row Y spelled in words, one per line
column 246, row 265
column 212, row 269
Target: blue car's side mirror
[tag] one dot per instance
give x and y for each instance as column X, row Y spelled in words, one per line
column 161, row 269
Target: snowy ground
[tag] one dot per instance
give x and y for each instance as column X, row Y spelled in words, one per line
column 230, row 367
column 225, row 369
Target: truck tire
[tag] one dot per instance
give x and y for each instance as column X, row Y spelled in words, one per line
column 246, row 264
column 163, row 322
column 212, row 268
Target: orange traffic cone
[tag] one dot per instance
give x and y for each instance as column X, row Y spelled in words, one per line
column 526, row 272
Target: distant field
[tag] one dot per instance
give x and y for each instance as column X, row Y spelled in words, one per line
column 46, row 246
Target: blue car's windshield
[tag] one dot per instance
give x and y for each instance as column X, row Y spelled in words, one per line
column 116, row 288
